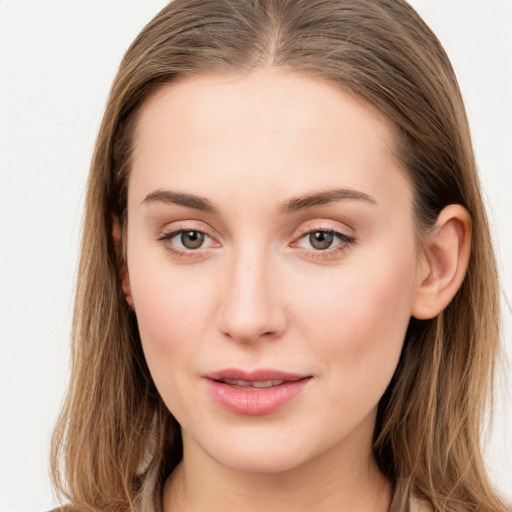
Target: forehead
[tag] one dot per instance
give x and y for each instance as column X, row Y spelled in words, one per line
column 267, row 128
column 270, row 98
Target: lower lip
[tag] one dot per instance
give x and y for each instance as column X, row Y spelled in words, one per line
column 255, row 401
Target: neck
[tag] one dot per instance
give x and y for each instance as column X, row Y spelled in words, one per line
column 339, row 479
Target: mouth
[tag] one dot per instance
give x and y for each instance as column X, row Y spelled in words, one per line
column 255, row 393
column 248, row 385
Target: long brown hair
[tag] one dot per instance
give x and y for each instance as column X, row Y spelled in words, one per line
column 115, row 441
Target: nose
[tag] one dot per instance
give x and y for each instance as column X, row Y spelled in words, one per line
column 251, row 306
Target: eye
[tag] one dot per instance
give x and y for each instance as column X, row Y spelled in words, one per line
column 191, row 239
column 321, row 240
column 324, row 240
column 185, row 240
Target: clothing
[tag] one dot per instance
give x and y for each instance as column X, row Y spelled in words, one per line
column 403, row 502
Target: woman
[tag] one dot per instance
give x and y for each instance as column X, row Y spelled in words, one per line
column 287, row 293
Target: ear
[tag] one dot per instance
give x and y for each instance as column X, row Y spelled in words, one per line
column 122, row 267
column 444, row 261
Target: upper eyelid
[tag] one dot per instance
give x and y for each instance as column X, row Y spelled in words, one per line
column 330, row 229
column 304, row 229
column 175, row 232
column 325, row 225
column 178, row 226
column 343, row 237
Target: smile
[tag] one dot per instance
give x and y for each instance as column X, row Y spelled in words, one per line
column 255, row 393
column 255, row 384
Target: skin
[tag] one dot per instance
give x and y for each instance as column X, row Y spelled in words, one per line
column 258, row 294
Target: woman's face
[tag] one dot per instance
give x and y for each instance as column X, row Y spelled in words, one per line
column 272, row 264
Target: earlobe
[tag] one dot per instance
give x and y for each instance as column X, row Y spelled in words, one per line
column 444, row 262
column 122, row 267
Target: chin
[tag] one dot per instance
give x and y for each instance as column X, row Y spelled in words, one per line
column 263, row 461
column 262, row 450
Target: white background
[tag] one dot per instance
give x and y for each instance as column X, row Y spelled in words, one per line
column 57, row 60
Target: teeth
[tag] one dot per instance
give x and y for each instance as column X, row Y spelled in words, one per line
column 267, row 383
column 255, row 384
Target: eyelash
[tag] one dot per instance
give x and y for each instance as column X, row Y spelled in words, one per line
column 178, row 252
column 344, row 242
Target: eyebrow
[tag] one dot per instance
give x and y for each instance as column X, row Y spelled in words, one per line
column 290, row 206
column 181, row 199
column 323, row 198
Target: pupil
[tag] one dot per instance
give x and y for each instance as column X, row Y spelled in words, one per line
column 192, row 239
column 321, row 240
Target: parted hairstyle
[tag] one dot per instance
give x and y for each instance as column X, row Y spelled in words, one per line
column 115, row 441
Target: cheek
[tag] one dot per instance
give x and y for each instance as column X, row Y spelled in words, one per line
column 358, row 318
column 173, row 312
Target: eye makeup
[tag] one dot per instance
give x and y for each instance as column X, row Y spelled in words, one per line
column 317, row 241
column 187, row 241
column 323, row 242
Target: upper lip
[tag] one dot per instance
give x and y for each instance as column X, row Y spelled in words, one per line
column 260, row 375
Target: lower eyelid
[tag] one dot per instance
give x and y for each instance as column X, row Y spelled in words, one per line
column 330, row 252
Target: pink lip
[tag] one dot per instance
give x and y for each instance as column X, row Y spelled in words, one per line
column 255, row 401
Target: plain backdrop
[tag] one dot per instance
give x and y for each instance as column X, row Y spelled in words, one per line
column 57, row 60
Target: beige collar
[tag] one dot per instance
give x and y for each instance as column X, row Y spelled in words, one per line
column 403, row 501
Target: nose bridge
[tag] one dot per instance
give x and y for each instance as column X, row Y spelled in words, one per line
column 250, row 304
